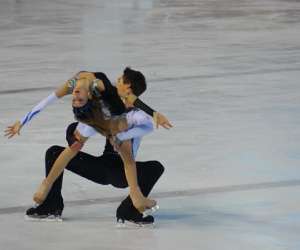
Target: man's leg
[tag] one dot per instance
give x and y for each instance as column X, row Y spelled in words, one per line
column 83, row 164
column 53, row 206
column 148, row 174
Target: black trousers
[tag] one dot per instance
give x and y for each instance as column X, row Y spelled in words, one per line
column 105, row 169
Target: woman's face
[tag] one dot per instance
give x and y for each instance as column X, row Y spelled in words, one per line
column 80, row 96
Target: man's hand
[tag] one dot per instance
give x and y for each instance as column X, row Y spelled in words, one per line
column 12, row 130
column 161, row 120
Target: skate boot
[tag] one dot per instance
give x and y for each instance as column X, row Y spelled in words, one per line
column 44, row 213
column 149, row 211
column 131, row 217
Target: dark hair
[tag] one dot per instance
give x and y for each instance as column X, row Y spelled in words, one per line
column 85, row 112
column 136, row 80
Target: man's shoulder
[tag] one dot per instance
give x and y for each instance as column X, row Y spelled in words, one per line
column 101, row 76
column 109, row 88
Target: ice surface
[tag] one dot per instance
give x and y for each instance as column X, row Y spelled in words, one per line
column 226, row 73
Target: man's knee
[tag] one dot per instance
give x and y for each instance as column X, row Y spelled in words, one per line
column 157, row 167
column 160, row 168
column 70, row 133
column 51, row 155
column 53, row 151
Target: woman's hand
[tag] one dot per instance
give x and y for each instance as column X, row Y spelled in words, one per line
column 12, row 130
column 140, row 202
column 42, row 192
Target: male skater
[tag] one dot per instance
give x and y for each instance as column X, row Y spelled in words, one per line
column 105, row 169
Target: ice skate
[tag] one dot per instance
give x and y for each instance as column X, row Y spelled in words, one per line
column 138, row 222
column 129, row 216
column 42, row 213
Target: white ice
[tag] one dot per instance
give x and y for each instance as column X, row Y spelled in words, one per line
column 225, row 72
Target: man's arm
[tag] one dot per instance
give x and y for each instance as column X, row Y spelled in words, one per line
column 59, row 165
column 158, row 118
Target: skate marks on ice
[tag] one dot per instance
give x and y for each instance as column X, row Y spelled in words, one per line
column 170, row 194
column 16, row 91
column 166, row 79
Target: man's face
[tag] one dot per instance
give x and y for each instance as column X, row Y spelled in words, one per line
column 123, row 90
column 122, row 87
column 80, row 96
column 120, row 82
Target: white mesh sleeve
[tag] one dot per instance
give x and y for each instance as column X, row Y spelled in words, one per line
column 39, row 107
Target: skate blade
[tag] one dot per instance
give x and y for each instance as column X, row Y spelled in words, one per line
column 150, row 211
column 46, row 219
column 132, row 225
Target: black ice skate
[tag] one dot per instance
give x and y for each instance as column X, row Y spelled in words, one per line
column 128, row 216
column 147, row 221
column 42, row 213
